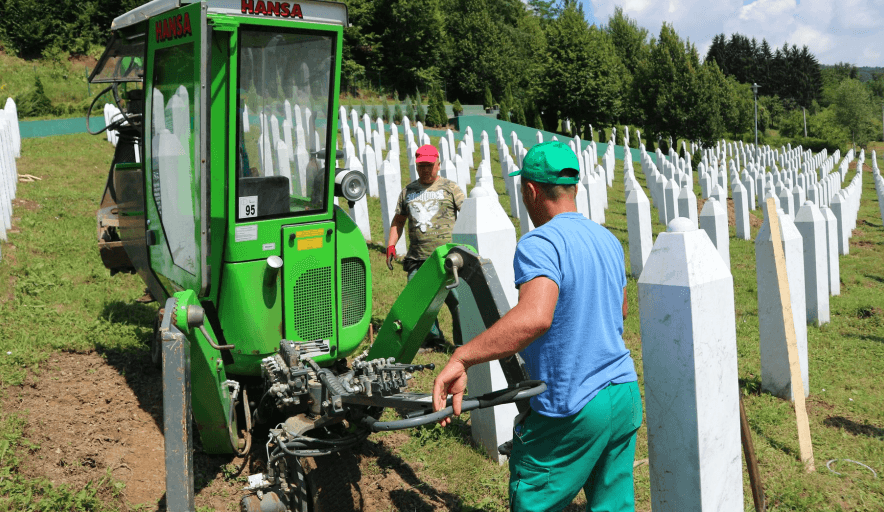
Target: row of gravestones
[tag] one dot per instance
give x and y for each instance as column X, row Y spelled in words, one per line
column 10, row 149
column 691, row 428
column 690, row 365
column 825, row 219
column 691, row 384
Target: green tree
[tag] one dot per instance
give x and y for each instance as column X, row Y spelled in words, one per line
column 409, row 45
column 409, row 109
column 30, row 27
column 583, row 80
column 665, row 85
column 489, row 100
column 457, row 108
column 489, row 47
column 436, row 115
column 853, row 109
column 630, row 40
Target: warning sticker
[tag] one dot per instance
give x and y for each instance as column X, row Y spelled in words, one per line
column 245, row 233
column 310, row 233
column 310, row 243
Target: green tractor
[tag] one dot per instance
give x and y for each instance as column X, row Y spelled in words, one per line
column 221, row 197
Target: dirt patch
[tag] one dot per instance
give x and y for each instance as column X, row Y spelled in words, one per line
column 754, row 221
column 84, row 60
column 93, row 413
column 27, row 204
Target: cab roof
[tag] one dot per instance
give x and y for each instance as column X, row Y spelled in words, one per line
column 330, row 13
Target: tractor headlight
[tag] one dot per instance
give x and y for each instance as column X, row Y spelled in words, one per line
column 350, row 185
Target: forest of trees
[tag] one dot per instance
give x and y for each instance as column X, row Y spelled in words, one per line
column 543, row 62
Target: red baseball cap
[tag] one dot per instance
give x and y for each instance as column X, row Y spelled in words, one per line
column 426, row 153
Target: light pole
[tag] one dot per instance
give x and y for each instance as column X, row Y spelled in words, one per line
column 755, row 90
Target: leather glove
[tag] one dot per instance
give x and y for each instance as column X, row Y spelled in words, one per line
column 391, row 253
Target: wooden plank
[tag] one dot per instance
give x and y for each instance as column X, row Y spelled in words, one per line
column 804, row 445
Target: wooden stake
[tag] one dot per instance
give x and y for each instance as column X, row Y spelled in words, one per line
column 804, row 445
column 751, row 462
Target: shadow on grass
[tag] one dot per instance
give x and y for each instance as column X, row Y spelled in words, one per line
column 129, row 313
column 874, row 278
column 853, row 427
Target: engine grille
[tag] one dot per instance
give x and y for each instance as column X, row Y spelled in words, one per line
column 312, row 312
column 352, row 290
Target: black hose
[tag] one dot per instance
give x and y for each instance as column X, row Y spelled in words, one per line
column 328, row 378
column 520, row 391
column 257, row 412
column 89, row 112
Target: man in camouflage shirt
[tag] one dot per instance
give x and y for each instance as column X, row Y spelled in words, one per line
column 430, row 204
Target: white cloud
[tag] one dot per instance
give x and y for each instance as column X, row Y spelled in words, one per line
column 846, row 30
column 818, row 42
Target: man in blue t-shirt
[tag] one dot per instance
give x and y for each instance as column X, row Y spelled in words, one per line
column 568, row 327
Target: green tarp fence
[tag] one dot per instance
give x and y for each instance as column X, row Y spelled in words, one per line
column 50, row 127
column 478, row 123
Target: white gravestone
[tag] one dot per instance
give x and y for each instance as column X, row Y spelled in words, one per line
column 369, row 163
column 687, row 204
column 284, row 167
column 812, row 226
column 689, row 348
column 15, row 132
column 390, row 185
column 839, row 207
column 832, row 248
column 775, row 375
column 713, row 220
column 670, row 197
column 378, row 145
column 741, row 211
column 582, row 200
column 638, row 223
column 525, row 224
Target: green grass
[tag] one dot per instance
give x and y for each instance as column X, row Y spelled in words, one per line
column 56, row 296
column 64, row 83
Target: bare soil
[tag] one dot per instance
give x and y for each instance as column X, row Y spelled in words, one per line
column 96, row 413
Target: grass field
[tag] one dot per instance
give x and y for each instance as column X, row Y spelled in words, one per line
column 56, row 296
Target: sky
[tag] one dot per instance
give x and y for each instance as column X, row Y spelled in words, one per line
column 835, row 31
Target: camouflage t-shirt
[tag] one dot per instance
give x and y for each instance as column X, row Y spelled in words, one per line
column 431, row 212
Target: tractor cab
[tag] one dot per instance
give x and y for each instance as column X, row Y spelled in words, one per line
column 223, row 182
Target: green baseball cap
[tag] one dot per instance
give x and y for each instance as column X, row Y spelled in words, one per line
column 545, row 162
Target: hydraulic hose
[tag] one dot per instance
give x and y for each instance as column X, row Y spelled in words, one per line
column 328, row 378
column 521, row 391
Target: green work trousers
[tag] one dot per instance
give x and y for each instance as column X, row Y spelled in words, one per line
column 553, row 458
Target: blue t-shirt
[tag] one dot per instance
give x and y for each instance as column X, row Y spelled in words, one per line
column 583, row 350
